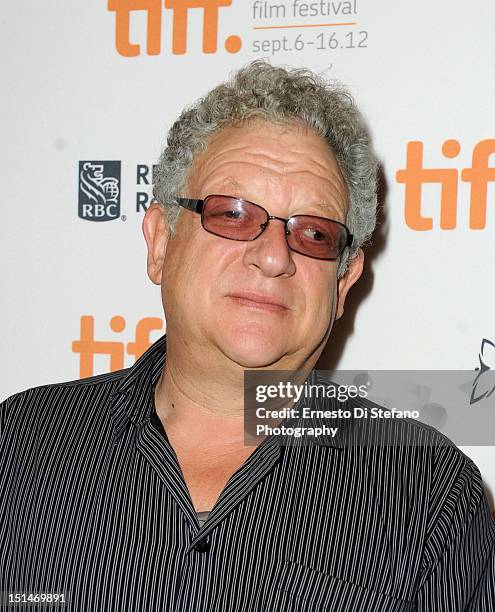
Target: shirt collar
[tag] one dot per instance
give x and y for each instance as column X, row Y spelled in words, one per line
column 132, row 401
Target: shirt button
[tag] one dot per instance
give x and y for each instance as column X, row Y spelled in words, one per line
column 202, row 546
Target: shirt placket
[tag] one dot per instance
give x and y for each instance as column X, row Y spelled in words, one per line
column 200, row 557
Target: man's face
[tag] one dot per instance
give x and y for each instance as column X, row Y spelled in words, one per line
column 257, row 304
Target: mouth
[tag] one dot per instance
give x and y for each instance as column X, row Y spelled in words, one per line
column 258, row 301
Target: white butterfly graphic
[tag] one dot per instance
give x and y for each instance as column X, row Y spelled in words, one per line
column 484, row 383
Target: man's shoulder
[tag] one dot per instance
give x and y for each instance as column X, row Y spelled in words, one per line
column 72, row 387
column 64, row 396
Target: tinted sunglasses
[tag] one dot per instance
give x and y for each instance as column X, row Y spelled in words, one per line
column 237, row 219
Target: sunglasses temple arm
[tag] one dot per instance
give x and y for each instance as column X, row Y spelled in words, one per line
column 191, row 204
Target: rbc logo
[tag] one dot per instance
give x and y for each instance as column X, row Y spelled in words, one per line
column 99, row 190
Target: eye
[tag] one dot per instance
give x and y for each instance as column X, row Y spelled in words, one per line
column 233, row 214
column 314, row 234
column 228, row 213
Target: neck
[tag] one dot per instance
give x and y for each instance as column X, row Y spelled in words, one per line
column 203, row 394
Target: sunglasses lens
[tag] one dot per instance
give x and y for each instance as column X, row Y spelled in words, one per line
column 238, row 219
column 316, row 236
column 233, row 218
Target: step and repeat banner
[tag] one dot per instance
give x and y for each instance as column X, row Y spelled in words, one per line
column 89, row 92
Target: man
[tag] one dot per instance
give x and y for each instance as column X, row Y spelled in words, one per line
column 136, row 490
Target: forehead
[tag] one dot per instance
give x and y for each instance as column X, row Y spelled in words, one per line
column 259, row 157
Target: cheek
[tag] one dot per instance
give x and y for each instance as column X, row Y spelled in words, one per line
column 321, row 295
column 193, row 266
column 184, row 248
column 178, row 270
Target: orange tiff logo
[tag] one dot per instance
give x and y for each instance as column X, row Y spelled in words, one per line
column 88, row 347
column 414, row 176
column 180, row 13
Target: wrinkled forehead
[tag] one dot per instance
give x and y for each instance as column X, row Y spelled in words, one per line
column 298, row 143
column 253, row 126
column 257, row 153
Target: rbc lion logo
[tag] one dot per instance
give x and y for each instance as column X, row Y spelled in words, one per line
column 99, row 190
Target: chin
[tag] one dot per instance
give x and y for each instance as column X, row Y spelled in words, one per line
column 253, row 351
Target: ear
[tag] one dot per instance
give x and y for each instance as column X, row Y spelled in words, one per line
column 353, row 272
column 156, row 234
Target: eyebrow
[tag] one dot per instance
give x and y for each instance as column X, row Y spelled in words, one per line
column 231, row 181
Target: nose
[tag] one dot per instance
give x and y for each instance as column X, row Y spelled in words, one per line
column 270, row 252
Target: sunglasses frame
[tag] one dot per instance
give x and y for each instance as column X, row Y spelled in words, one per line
column 197, row 206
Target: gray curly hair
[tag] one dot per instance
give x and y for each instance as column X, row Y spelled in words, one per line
column 276, row 95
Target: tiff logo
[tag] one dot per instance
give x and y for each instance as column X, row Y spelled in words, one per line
column 414, row 175
column 87, row 347
column 180, row 15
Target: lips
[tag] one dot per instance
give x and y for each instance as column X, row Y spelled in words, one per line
column 258, row 301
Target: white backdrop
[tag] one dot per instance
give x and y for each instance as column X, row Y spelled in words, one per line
column 79, row 88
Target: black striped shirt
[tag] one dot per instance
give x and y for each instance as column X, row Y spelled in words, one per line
column 93, row 504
